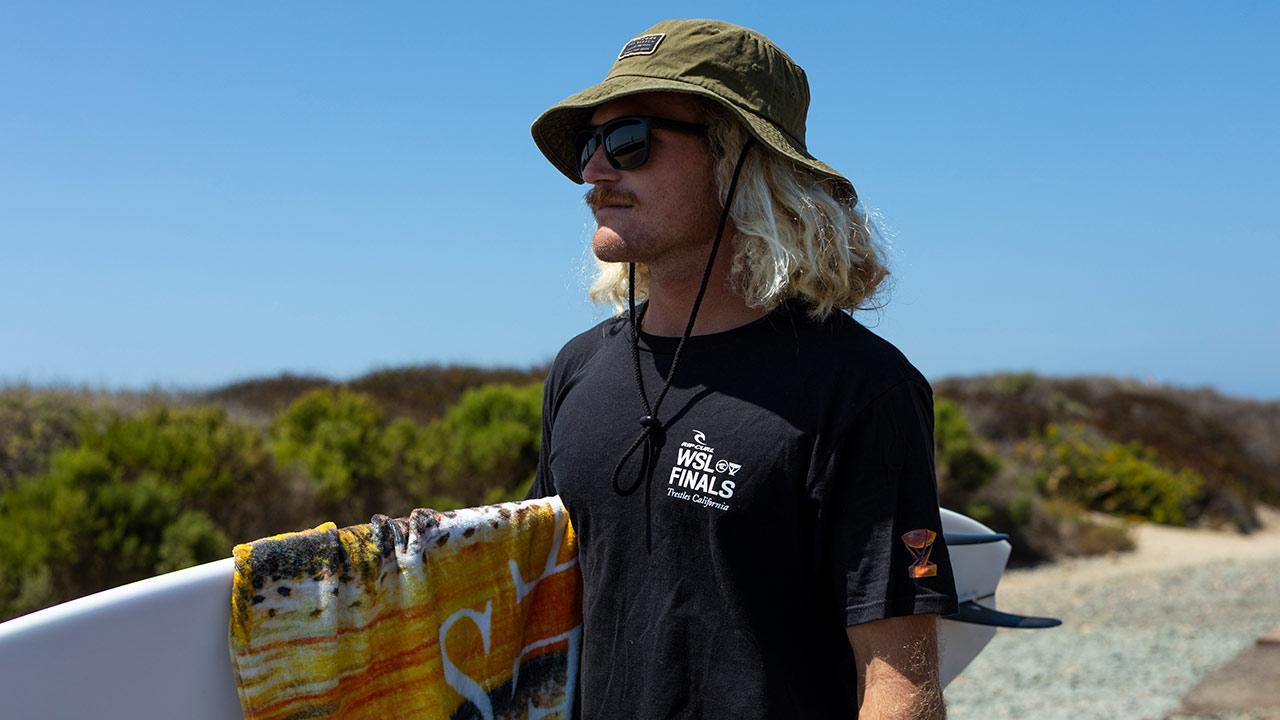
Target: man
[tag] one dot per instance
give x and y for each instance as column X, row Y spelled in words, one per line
column 748, row 469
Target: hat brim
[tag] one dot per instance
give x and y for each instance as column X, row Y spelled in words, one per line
column 555, row 129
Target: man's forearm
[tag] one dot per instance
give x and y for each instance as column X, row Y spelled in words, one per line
column 898, row 669
column 888, row 698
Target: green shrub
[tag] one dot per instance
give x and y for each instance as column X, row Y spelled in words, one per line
column 1123, row 479
column 336, row 436
column 191, row 539
column 127, row 497
column 1021, row 509
column 502, row 494
column 129, row 522
column 41, row 521
column 216, row 466
column 416, row 454
column 963, row 467
column 1016, row 384
column 81, row 527
column 484, row 447
column 33, row 425
column 488, row 442
column 199, row 451
column 140, row 495
column 980, row 511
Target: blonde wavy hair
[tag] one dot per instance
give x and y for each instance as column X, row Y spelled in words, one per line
column 798, row 234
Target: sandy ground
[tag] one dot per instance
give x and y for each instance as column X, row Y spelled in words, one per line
column 1140, row 629
column 1159, row 548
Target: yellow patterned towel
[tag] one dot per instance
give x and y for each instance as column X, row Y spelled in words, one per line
column 469, row 613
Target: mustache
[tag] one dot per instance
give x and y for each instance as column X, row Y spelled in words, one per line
column 598, row 197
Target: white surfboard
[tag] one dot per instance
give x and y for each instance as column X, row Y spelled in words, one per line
column 157, row 648
column 977, row 569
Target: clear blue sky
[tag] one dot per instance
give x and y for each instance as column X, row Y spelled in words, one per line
column 190, row 195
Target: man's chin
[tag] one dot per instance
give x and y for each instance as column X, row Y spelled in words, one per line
column 612, row 255
column 608, row 246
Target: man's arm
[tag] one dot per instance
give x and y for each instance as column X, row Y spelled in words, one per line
column 897, row 661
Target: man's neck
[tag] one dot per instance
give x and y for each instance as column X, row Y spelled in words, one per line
column 671, row 297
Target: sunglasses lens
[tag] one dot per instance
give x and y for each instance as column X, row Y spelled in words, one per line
column 587, row 145
column 627, row 145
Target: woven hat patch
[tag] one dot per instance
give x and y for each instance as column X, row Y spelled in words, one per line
column 643, row 45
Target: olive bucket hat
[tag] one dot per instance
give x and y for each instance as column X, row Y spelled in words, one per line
column 739, row 69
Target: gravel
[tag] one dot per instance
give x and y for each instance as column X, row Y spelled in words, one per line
column 1135, row 636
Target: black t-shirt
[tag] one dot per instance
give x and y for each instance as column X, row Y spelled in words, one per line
column 797, row 455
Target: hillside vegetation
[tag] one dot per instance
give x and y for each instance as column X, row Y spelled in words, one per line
column 99, row 489
column 1169, row 455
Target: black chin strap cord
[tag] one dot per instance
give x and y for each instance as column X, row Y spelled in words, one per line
column 651, row 429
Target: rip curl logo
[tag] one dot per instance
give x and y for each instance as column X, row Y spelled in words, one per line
column 699, row 477
column 643, row 45
column 920, row 543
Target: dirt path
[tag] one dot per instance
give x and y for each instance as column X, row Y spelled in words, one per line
column 1140, row 629
column 1158, row 548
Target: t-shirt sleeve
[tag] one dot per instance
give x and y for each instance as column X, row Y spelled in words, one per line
column 543, row 484
column 887, row 551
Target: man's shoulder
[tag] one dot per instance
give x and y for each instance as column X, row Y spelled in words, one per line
column 849, row 352
column 582, row 347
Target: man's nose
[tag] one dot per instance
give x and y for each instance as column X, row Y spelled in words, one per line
column 598, row 168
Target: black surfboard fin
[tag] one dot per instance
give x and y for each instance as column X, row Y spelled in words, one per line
column 975, row 614
column 965, row 538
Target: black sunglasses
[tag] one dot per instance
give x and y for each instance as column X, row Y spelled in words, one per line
column 626, row 140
